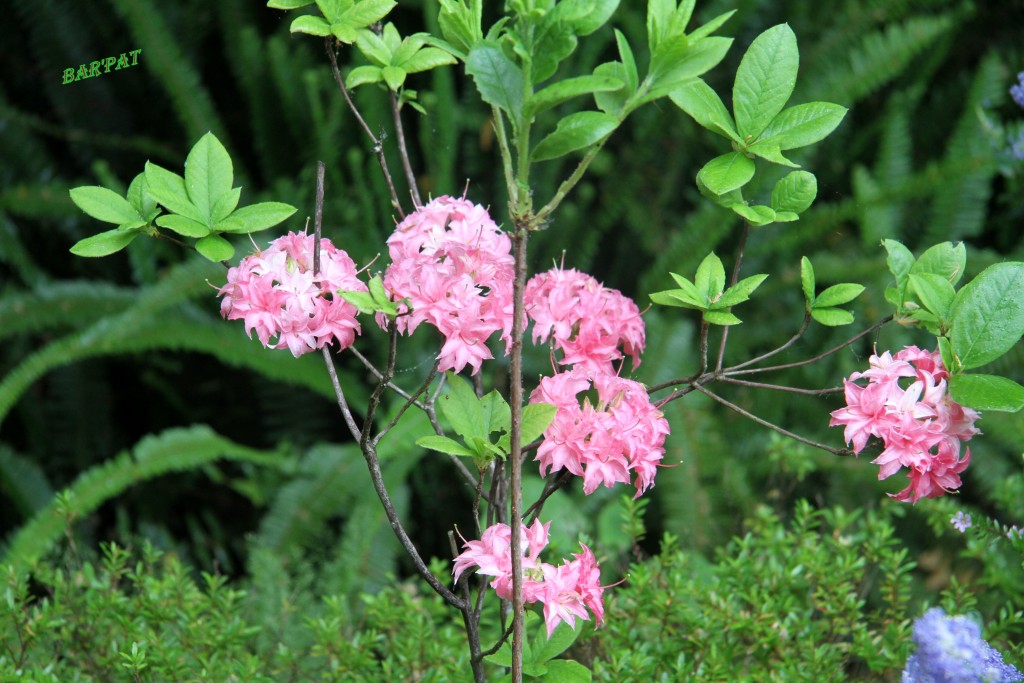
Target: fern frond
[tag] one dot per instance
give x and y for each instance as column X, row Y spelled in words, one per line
column 173, row 450
column 61, row 305
column 879, row 58
column 14, row 255
column 163, row 57
column 334, row 475
column 959, row 210
column 23, row 482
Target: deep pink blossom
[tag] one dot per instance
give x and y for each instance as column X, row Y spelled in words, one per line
column 589, row 323
column 906, row 404
column 621, row 437
column 277, row 296
column 566, row 591
column 452, row 267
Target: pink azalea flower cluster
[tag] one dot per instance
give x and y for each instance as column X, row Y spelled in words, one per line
column 919, row 424
column 277, row 295
column 566, row 591
column 587, row 320
column 604, row 443
column 455, row 267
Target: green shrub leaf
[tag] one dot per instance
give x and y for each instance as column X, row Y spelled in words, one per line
column 987, row 315
column 986, row 392
column 765, row 80
column 574, row 132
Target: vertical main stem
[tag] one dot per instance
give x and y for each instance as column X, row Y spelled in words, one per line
column 516, row 455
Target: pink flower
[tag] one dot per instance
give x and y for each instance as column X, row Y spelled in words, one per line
column 623, row 435
column 566, row 591
column 276, row 295
column 920, row 426
column 587, row 321
column 453, row 266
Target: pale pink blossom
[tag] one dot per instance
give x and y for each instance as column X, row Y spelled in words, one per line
column 566, row 591
column 618, row 440
column 278, row 297
column 591, row 325
column 906, row 404
column 452, row 268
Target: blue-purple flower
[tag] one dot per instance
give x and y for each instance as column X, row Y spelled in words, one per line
column 961, row 521
column 1017, row 91
column 951, row 650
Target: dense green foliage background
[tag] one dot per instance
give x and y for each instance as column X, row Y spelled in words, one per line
column 101, row 353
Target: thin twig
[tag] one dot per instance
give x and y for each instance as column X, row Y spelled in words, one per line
column 769, row 425
column 378, row 148
column 342, row 403
column 734, row 372
column 779, row 387
column 803, row 328
column 318, row 216
column 391, row 385
column 733, row 281
column 403, row 151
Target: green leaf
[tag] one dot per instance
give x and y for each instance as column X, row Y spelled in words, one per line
column 900, row 260
column 498, row 79
column 726, row 173
column 140, row 198
column 559, row 92
column 807, row 280
column 795, row 192
column 933, row 291
column 314, row 26
column 740, row 291
column 536, row 418
column 225, row 205
column 168, row 188
column 707, row 29
column 443, row 444
column 674, row 70
column 765, row 80
column 986, row 392
column 208, row 175
column 361, row 75
column 393, row 76
column 363, row 301
column 215, row 248
column 495, row 413
column 947, row 260
column 704, row 105
column 574, row 132
column 585, row 16
column 767, row 149
column 461, row 24
column 632, row 78
column 837, row 295
column 721, row 318
column 613, row 101
column 678, row 298
column 559, row 641
column 183, row 226
column 566, row 671
column 461, row 408
column 366, row 12
column 755, row 214
column 261, row 216
column 833, row 317
column 987, row 315
column 105, row 205
column 803, row 124
column 426, row 59
column 288, row 4
column 104, row 243
column 710, row 277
